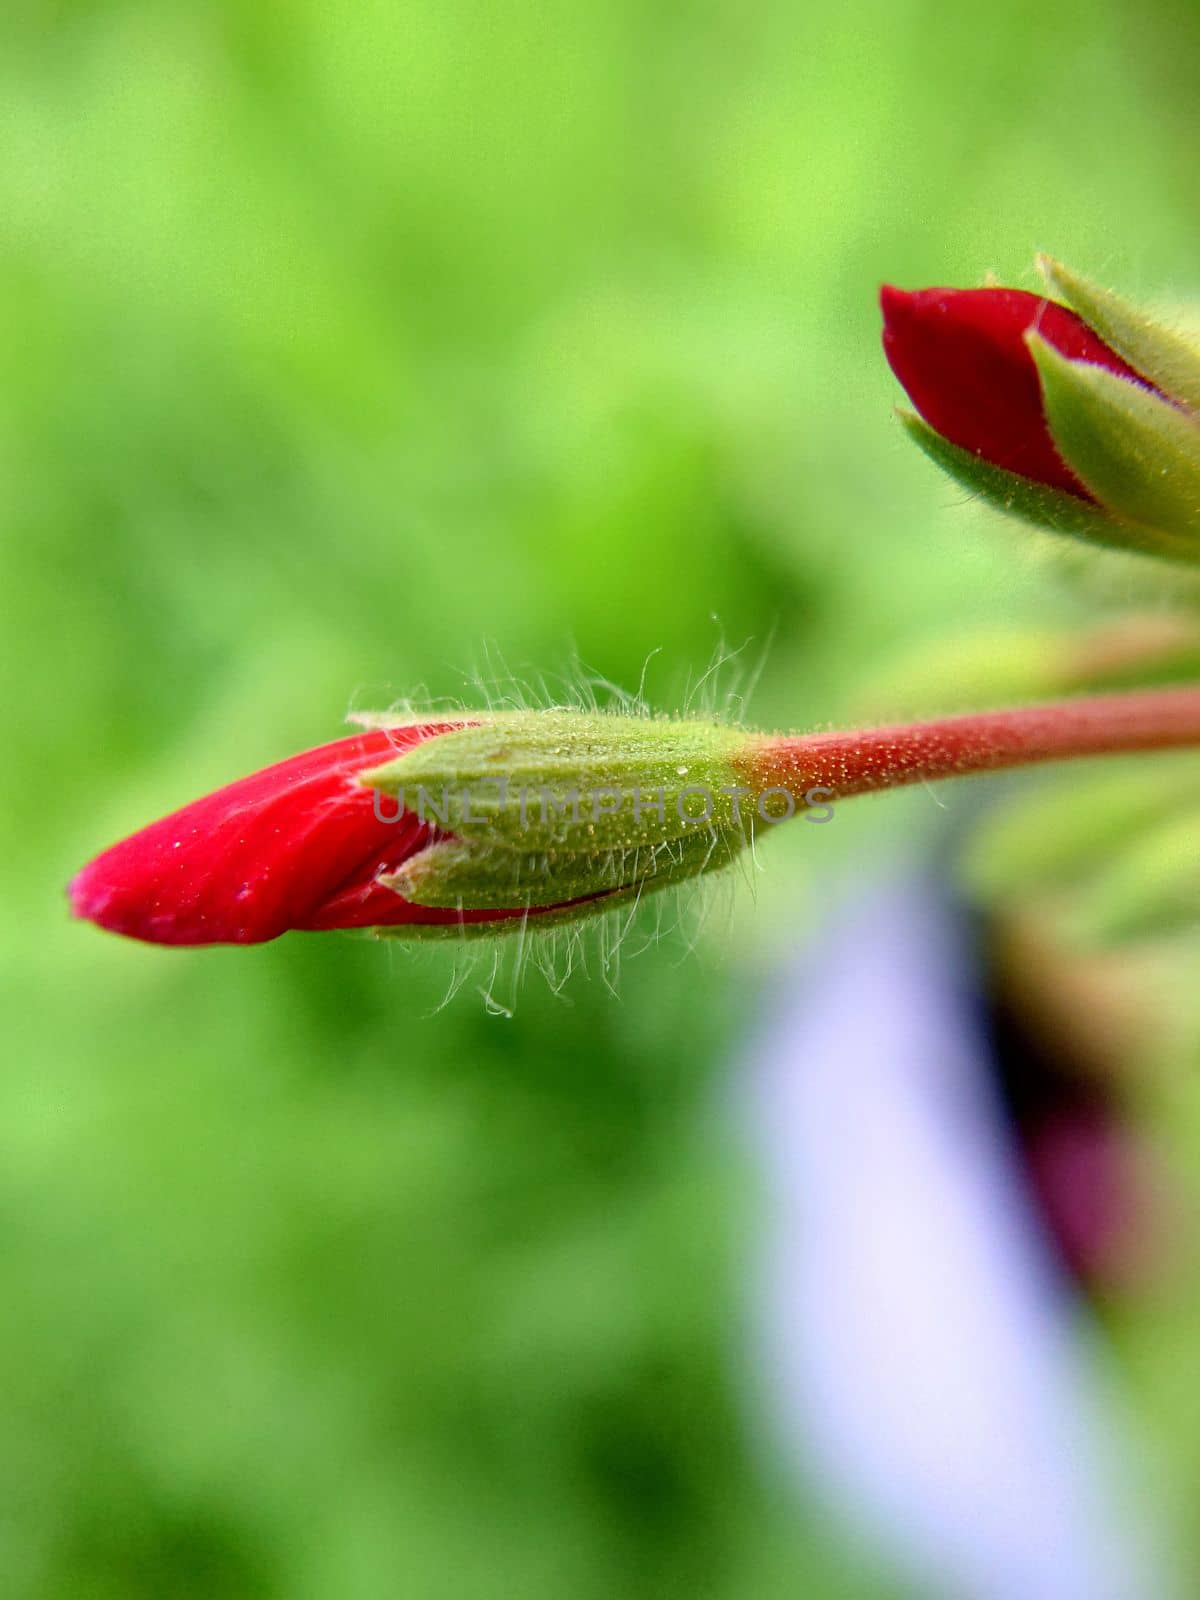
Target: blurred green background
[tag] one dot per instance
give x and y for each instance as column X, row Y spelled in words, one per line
column 350, row 350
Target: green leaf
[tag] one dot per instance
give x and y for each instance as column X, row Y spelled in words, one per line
column 1136, row 452
column 970, row 668
column 1151, row 889
column 1048, row 508
column 1167, row 358
column 1060, row 834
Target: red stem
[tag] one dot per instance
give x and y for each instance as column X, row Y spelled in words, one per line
column 857, row 762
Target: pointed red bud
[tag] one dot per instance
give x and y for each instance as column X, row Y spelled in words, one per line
column 302, row 844
column 962, row 357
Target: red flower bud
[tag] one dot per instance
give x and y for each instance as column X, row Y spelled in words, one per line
column 301, row 844
column 962, row 357
column 555, row 814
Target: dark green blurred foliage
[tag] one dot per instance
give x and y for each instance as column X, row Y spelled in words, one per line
column 348, row 349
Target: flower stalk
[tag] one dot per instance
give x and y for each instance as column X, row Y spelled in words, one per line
column 554, row 814
column 864, row 761
column 1073, row 410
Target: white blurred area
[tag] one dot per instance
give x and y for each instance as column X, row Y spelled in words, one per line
column 921, row 1358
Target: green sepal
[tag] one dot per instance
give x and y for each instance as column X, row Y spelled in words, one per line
column 471, row 875
column 1036, row 502
column 1168, row 359
column 1136, row 452
column 571, row 782
column 519, row 926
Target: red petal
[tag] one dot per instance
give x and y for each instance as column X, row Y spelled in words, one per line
column 962, row 357
column 297, row 845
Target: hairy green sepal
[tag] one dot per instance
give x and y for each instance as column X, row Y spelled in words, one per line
column 451, row 872
column 1046, row 507
column 549, row 807
column 1168, row 359
column 1136, row 452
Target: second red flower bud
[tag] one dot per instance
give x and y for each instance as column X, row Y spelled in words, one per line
column 1083, row 416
